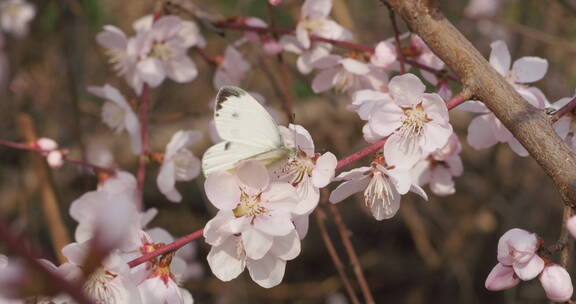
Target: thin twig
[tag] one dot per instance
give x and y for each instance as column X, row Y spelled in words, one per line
column 144, row 105
column 397, row 39
column 32, row 148
column 320, row 218
column 565, row 237
column 345, row 236
column 15, row 244
column 419, row 234
column 167, row 248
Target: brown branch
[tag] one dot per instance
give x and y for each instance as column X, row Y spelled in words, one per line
column 356, row 266
column 320, row 218
column 531, row 126
column 50, row 206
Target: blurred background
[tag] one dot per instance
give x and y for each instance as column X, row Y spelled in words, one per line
column 438, row 251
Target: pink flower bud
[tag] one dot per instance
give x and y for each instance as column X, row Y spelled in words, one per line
column 55, row 159
column 275, row 2
column 571, row 226
column 501, row 277
column 46, row 144
column 557, row 283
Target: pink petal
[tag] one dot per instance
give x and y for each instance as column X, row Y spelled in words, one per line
column 501, row 277
column 276, row 225
column 324, row 80
column 224, row 261
column 347, row 188
column 222, row 190
column 355, row 66
column 256, row 243
column 151, row 70
column 286, row 247
column 402, row 152
column 253, row 175
column 324, row 170
column 557, row 283
column 529, row 69
column 479, row 133
column 529, row 270
column 181, row 70
column 386, row 119
column 571, row 226
column 442, row 183
column 500, row 57
column 316, row 8
column 384, row 54
column 406, row 89
column 268, row 271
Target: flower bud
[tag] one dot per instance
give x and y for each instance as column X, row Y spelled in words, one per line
column 501, row 277
column 557, row 283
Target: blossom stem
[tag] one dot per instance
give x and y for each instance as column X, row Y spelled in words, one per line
column 143, row 161
column 356, row 266
column 458, row 99
column 568, row 108
column 32, row 148
column 397, row 40
column 177, row 244
column 320, row 218
column 15, row 243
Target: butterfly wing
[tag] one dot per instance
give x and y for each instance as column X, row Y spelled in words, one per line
column 247, row 129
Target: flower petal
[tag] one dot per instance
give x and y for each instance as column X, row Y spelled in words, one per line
column 222, row 190
column 500, row 57
column 529, row 69
column 406, row 89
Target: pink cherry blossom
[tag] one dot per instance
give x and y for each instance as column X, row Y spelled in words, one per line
column 122, row 53
column 486, row 130
column 270, row 45
column 54, row 157
column 163, row 46
column 118, row 114
column 250, row 204
column 306, row 170
column 438, row 168
column 275, row 2
column 231, row 69
column 517, row 248
column 179, row 164
column 501, row 277
column 15, row 16
column 382, row 187
column 314, row 21
column 228, row 258
column 424, row 55
column 416, row 122
column 306, row 56
column 13, row 275
column 161, row 286
column 482, row 8
column 346, row 75
column 557, row 283
column 110, row 283
column 109, row 214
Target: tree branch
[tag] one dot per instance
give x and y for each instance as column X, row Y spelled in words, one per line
column 531, row 126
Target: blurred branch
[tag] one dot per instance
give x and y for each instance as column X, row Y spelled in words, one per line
column 569, row 5
column 50, row 207
column 15, row 244
column 531, row 126
column 569, row 107
column 144, row 105
column 320, row 218
column 419, row 234
column 345, row 236
column 397, row 39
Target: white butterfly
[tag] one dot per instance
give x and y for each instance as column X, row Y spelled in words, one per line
column 248, row 132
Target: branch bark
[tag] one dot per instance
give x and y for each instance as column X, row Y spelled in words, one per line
column 531, row 126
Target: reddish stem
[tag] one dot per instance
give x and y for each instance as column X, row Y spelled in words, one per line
column 567, row 108
column 360, row 154
column 456, row 101
column 73, row 288
column 28, row 147
column 167, row 248
column 143, row 161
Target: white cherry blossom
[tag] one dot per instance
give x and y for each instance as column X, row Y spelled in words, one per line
column 314, row 21
column 15, row 16
column 346, row 75
column 231, row 68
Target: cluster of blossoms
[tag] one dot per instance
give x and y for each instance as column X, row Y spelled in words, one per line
column 519, row 258
column 263, row 211
column 110, row 224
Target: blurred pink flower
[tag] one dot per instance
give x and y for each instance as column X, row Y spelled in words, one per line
column 482, row 8
column 385, row 54
column 501, row 277
column 118, row 114
column 306, row 56
column 416, row 122
column 517, row 248
column 571, row 226
column 179, row 164
column 15, row 16
column 314, row 21
column 231, row 69
column 382, row 187
column 346, row 75
column 275, row 2
column 556, row 283
column 270, row 45
column 566, row 126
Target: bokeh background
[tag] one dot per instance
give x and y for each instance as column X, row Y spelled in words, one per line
column 438, row 251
